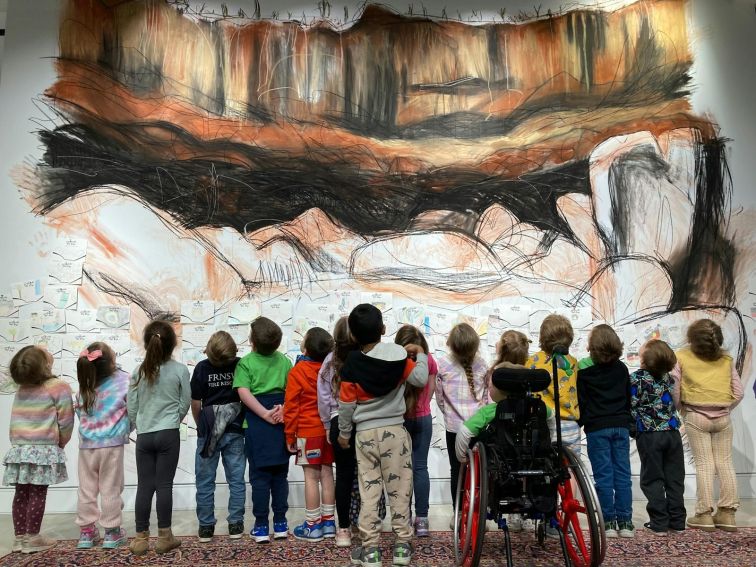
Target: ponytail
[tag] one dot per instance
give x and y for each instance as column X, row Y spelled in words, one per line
column 464, row 343
column 95, row 362
column 159, row 342
column 467, row 366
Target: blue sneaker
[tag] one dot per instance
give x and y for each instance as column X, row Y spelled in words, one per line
column 329, row 528
column 308, row 532
column 261, row 533
column 280, row 530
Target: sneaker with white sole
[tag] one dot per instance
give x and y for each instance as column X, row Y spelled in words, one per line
column 37, row 542
column 280, row 530
column 236, row 530
column 308, row 532
column 18, row 543
column 625, row 529
column 343, row 537
column 114, row 538
column 422, row 528
column 528, row 525
column 402, row 553
column 261, row 533
column 367, row 557
column 610, row 529
column 205, row 533
column 89, row 537
column 329, row 528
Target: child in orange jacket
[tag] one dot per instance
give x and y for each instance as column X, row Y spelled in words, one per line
column 306, row 436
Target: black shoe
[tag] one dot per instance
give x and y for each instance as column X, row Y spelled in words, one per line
column 236, row 531
column 205, row 533
column 655, row 531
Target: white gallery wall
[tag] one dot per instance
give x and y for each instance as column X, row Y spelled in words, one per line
column 724, row 79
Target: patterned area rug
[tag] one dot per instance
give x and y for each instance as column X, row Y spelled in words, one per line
column 716, row 549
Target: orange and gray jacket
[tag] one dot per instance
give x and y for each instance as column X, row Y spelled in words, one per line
column 372, row 387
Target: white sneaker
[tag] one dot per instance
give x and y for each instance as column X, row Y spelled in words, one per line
column 18, row 543
column 343, row 537
column 528, row 525
column 36, row 542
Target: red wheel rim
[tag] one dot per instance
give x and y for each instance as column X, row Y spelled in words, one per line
column 471, row 505
column 568, row 516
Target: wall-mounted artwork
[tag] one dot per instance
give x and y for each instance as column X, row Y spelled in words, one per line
column 210, row 167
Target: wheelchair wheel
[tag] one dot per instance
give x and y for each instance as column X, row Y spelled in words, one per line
column 471, row 507
column 579, row 516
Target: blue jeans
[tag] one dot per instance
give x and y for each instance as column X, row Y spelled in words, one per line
column 270, row 488
column 420, row 430
column 609, row 453
column 231, row 449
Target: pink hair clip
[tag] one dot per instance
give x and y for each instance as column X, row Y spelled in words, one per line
column 91, row 356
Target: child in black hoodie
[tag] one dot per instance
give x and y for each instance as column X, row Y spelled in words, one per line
column 603, row 389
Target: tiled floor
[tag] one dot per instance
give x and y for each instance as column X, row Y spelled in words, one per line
column 62, row 526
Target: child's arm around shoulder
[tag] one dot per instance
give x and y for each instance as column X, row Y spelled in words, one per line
column 63, row 398
column 419, row 374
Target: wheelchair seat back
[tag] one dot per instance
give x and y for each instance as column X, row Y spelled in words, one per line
column 520, row 380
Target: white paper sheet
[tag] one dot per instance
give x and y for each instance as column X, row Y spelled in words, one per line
column 244, row 311
column 114, row 316
column 198, row 312
column 62, row 296
column 62, row 271
column 82, row 321
column 29, row 291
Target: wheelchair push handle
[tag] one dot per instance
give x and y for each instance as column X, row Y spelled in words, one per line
column 563, row 351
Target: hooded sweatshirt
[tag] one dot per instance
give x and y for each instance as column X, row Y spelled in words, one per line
column 372, row 387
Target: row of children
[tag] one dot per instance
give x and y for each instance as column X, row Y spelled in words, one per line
column 358, row 402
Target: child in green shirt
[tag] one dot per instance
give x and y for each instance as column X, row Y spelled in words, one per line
column 260, row 380
column 512, row 350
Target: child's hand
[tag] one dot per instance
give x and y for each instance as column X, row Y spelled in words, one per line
column 278, row 413
column 273, row 415
column 414, row 350
column 343, row 442
column 292, row 447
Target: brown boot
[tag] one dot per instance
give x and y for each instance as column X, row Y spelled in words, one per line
column 724, row 519
column 702, row 522
column 166, row 541
column 140, row 544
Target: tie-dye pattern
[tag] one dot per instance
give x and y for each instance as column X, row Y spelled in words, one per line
column 107, row 425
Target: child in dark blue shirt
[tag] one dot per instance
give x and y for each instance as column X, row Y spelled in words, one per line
column 658, row 438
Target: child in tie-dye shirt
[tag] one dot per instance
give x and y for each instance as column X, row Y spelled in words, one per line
column 103, row 431
column 41, row 424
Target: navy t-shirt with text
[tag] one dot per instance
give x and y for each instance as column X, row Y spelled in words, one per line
column 212, row 385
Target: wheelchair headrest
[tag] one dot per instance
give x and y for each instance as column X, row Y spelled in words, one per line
column 520, row 380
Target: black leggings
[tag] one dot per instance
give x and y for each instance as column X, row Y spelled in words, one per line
column 157, row 455
column 346, row 466
column 451, row 439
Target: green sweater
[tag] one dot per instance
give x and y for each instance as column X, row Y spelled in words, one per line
column 162, row 405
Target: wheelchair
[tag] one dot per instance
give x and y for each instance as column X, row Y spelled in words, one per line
column 514, row 468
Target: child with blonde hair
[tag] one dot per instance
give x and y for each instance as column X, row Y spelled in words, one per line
column 217, row 411
column 41, row 424
column 603, row 389
column 461, row 388
column 556, row 331
column 707, row 387
column 104, row 429
column 158, row 400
